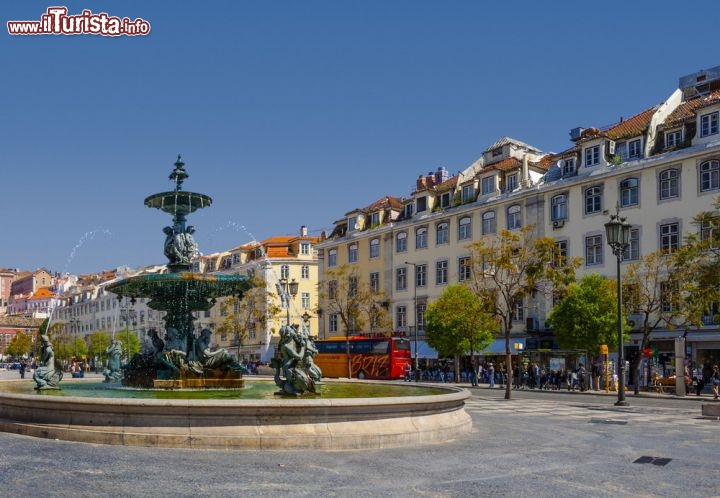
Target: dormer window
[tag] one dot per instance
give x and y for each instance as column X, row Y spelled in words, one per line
column 568, row 167
column 709, row 124
column 375, row 219
column 487, row 185
column 409, row 210
column 304, row 248
column 497, row 152
column 673, row 139
column 468, row 193
column 592, row 156
column 421, row 204
column 353, row 224
column 445, row 200
column 634, row 149
column 512, row 182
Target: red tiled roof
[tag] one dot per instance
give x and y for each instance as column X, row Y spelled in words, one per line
column 687, row 110
column 384, row 203
column 504, row 165
column 633, row 127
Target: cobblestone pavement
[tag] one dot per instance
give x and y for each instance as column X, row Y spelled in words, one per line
column 536, row 445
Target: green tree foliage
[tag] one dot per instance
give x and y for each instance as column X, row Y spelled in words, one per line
column 20, row 345
column 511, row 267
column 344, row 294
column 587, row 315
column 98, row 342
column 459, row 323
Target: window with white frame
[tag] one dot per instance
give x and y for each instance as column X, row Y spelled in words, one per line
column 568, row 167
column 375, row 281
column 236, row 258
column 635, row 149
column 673, row 139
column 518, row 310
column 709, row 124
column 487, row 185
column 468, row 193
column 332, row 257
column 514, row 220
column 353, row 283
column 670, row 237
column 284, row 271
column 305, row 271
column 708, row 232
column 488, row 222
column 592, row 156
column 442, row 233
column 421, row 238
column 710, row 175
column 632, row 251
column 332, row 289
column 420, row 315
column 593, row 250
column 374, row 248
column 669, row 183
column 511, row 182
column 401, row 242
column 629, row 192
column 421, row 275
column 352, row 224
column 305, row 300
column 401, row 279
column 409, row 210
column 401, row 317
column 668, row 292
column 593, row 200
column 464, row 269
column 375, row 219
column 333, row 323
column 441, row 272
column 465, row 228
column 352, row 253
column 559, row 207
column 304, row 248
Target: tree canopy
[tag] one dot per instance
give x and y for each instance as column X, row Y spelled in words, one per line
column 587, row 315
column 459, row 322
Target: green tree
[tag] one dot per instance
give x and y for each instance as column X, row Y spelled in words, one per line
column 587, row 315
column 255, row 309
column 98, row 342
column 459, row 323
column 511, row 267
column 20, row 345
column 353, row 301
column 655, row 288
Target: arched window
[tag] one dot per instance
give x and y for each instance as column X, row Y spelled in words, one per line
column 421, row 238
column 710, row 175
column 669, row 184
column 559, row 207
column 401, row 242
column 374, row 248
column 465, row 228
column 442, row 235
column 593, row 200
column 513, row 217
column 488, row 222
column 332, row 257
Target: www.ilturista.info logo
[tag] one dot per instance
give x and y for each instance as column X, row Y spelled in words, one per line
column 56, row 22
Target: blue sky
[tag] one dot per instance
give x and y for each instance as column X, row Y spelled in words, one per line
column 293, row 113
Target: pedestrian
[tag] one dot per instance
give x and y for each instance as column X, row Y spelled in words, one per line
column 715, row 379
column 491, row 376
column 408, row 372
column 698, row 379
column 22, row 369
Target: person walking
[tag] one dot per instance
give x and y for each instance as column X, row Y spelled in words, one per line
column 491, row 376
column 715, row 379
column 698, row 379
column 23, row 366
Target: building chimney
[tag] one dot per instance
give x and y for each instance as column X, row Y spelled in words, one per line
column 303, row 231
column 525, row 172
column 421, row 184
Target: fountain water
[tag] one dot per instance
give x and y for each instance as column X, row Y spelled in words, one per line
column 180, row 359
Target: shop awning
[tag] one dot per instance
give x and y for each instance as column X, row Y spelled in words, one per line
column 424, row 351
column 498, row 346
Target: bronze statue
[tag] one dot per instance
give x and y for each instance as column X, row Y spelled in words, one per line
column 296, row 354
column 49, row 374
column 112, row 372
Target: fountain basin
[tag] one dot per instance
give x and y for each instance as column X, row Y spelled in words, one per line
column 241, row 424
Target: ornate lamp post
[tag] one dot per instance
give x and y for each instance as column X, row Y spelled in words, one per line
column 617, row 231
column 415, row 339
column 289, row 289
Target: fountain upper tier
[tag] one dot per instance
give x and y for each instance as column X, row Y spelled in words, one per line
column 194, row 289
column 178, row 202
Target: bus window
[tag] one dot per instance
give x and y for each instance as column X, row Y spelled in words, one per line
column 380, row 347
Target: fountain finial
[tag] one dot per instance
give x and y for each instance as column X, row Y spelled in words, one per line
column 179, row 174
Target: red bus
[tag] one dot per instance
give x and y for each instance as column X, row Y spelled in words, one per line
column 377, row 357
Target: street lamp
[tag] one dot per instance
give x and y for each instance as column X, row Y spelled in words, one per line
column 618, row 238
column 127, row 315
column 415, row 265
column 288, row 289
